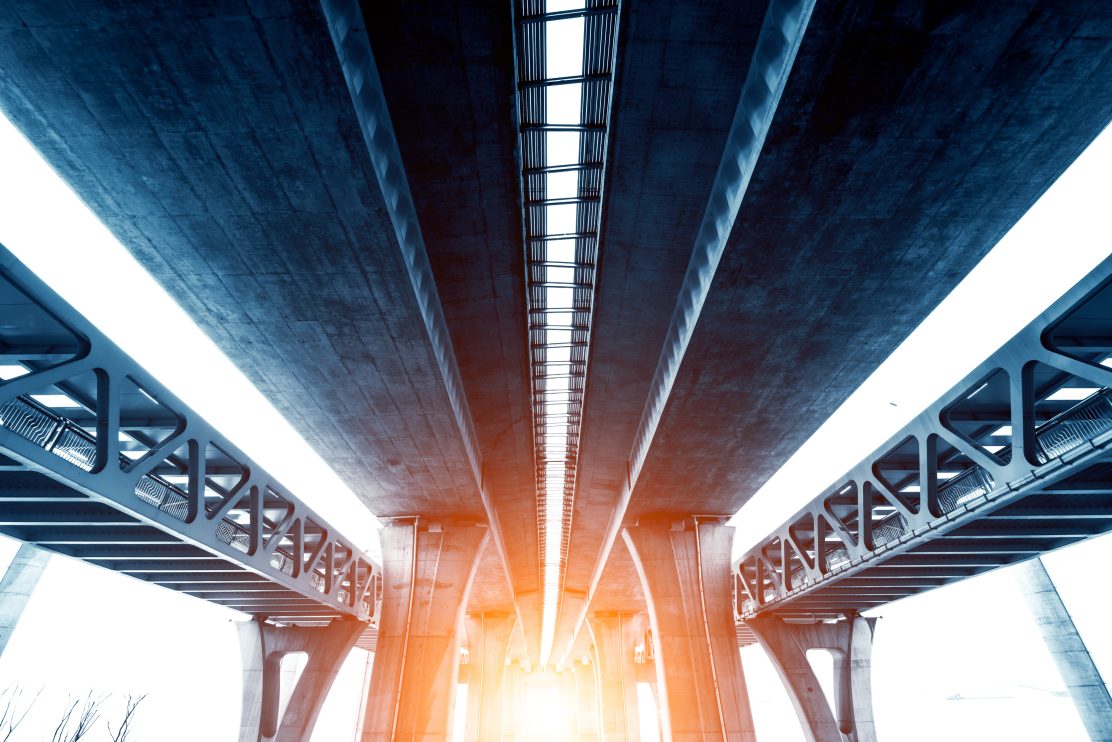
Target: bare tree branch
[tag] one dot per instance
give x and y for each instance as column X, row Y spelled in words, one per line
column 10, row 716
column 89, row 714
column 122, row 734
column 60, row 730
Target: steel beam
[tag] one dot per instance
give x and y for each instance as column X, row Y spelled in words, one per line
column 1046, row 489
column 80, row 495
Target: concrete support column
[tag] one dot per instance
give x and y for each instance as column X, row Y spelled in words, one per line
column 17, row 587
column 427, row 574
column 262, row 648
column 685, row 573
column 488, row 635
column 850, row 642
column 615, row 636
column 587, row 701
column 657, row 704
column 1075, row 664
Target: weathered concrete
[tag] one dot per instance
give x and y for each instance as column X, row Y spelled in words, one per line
column 262, row 648
column 684, row 568
column 908, row 141
column 464, row 181
column 219, row 143
column 660, row 175
column 573, row 611
column 17, row 586
column 616, row 636
column 488, row 638
column 851, row 644
column 427, row 573
column 1079, row 673
column 910, row 137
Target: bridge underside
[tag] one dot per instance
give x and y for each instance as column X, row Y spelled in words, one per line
column 1010, row 464
column 315, row 231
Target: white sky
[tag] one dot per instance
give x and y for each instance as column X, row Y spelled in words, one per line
column 89, row 629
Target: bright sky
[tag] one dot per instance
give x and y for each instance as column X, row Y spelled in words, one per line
column 88, row 629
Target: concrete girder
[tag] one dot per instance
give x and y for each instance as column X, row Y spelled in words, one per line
column 781, row 34
column 349, row 36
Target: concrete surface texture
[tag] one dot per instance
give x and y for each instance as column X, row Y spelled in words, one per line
column 1079, row 673
column 219, row 141
column 850, row 642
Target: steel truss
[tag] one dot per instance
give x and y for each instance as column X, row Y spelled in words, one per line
column 1012, row 462
column 101, row 462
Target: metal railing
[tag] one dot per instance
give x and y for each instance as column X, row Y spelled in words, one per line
column 1064, row 432
column 1082, row 422
column 59, row 435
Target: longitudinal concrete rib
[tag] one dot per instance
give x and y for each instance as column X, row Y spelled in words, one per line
column 781, row 34
column 353, row 47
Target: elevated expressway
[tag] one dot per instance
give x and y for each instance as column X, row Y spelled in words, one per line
column 1008, row 465
column 100, row 462
column 1013, row 462
column 344, row 216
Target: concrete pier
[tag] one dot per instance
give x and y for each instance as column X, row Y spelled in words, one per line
column 17, row 586
column 850, row 642
column 427, row 570
column 1079, row 673
column 684, row 567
